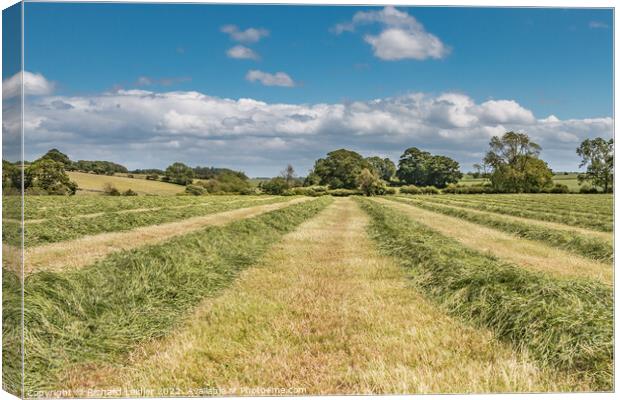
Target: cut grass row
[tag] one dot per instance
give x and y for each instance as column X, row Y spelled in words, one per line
column 604, row 224
column 547, row 205
column 43, row 207
column 590, row 247
column 61, row 229
column 564, row 323
column 101, row 312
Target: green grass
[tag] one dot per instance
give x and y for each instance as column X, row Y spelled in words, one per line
column 60, row 228
column 574, row 242
column 101, row 312
column 569, row 180
column 594, row 221
column 564, row 323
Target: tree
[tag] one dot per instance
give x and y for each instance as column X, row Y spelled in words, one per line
column 597, row 155
column 49, row 176
column 340, row 169
column 11, row 177
column 288, row 174
column 421, row 168
column 370, row 183
column 384, row 167
column 276, row 186
column 180, row 174
column 515, row 164
column 56, row 155
column 477, row 170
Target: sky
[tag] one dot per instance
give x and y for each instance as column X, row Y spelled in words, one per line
column 257, row 87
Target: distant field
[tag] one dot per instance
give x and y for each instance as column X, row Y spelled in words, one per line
column 569, row 180
column 93, row 184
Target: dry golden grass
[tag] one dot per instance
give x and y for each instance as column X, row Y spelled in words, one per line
column 90, row 184
column 326, row 313
column 86, row 250
column 526, row 253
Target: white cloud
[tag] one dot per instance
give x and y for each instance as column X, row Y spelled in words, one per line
column 267, row 79
column 34, row 85
column 403, row 37
column 242, row 52
column 598, row 25
column 142, row 128
column 250, row 35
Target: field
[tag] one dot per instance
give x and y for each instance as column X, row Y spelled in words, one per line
column 569, row 180
column 191, row 296
column 94, row 184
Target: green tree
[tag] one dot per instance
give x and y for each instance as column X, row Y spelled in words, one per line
column 597, row 155
column 276, row 186
column 58, row 156
column 340, row 169
column 49, row 176
column 384, row 167
column 11, row 177
column 515, row 164
column 180, row 174
column 421, row 168
column 288, row 174
column 370, row 183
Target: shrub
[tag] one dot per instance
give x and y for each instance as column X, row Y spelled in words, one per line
column 389, row 191
column 473, row 189
column 152, row 177
column 559, row 188
column 429, row 190
column 195, row 190
column 129, row 175
column 129, row 192
column 411, row 189
column 110, row 190
column 344, row 192
column 587, row 189
column 276, row 186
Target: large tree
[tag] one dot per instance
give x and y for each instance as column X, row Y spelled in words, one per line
column 57, row 155
column 515, row 164
column 597, row 155
column 384, row 167
column 180, row 174
column 340, row 169
column 421, row 168
column 48, row 176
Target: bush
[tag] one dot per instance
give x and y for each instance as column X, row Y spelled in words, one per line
column 389, row 191
column 411, row 189
column 344, row 192
column 429, row 190
column 152, row 177
column 195, row 190
column 275, row 186
column 473, row 189
column 110, row 190
column 587, row 189
column 129, row 175
column 559, row 188
column 129, row 192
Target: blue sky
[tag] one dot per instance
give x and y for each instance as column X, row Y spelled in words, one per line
column 538, row 61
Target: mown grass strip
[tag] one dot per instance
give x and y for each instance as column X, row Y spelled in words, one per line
column 604, row 224
column 564, row 323
column 573, row 242
column 62, row 229
column 102, row 311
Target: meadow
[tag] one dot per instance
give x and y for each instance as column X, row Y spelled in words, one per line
column 386, row 294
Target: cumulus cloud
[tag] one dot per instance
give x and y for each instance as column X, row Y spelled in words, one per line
column 402, row 37
column 142, row 128
column 250, row 35
column 34, row 85
column 242, row 52
column 267, row 79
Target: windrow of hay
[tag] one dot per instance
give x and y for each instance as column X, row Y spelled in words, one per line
column 325, row 313
column 602, row 223
column 86, row 250
column 62, row 229
column 565, row 323
column 588, row 246
column 101, row 312
column 525, row 253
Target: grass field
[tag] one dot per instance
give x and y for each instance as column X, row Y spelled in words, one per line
column 94, row 184
column 394, row 294
column 569, row 180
